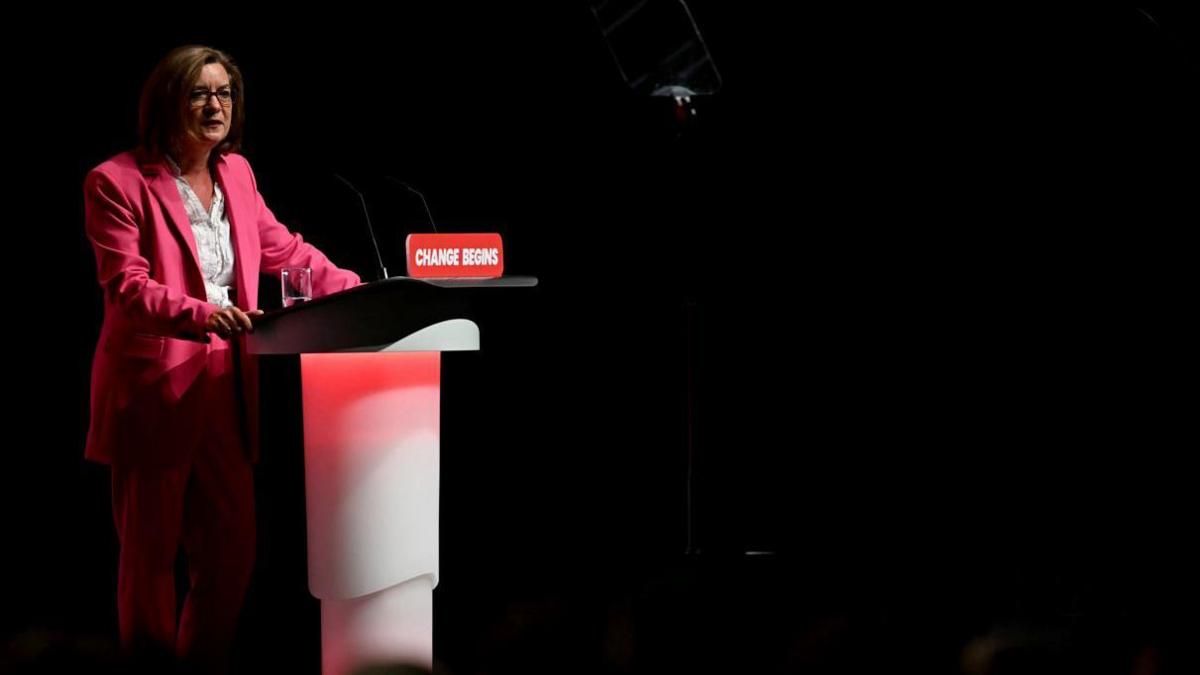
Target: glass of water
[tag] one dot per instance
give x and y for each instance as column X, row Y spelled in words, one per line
column 297, row 285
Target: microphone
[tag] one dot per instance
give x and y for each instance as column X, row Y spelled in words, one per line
column 415, row 192
column 371, row 230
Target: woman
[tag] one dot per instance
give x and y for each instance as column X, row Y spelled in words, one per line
column 181, row 235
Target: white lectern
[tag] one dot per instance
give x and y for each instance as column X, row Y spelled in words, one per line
column 371, row 375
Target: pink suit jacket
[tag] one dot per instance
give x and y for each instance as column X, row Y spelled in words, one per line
column 145, row 400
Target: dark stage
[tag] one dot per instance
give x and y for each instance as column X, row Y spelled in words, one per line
column 912, row 289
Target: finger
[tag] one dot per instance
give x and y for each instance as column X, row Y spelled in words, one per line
column 240, row 320
column 225, row 324
column 231, row 319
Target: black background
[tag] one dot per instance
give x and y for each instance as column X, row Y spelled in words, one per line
column 928, row 273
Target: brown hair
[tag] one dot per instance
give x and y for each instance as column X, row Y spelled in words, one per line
column 164, row 107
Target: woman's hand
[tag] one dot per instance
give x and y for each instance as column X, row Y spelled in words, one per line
column 230, row 321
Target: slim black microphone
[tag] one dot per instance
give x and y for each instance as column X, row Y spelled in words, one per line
column 371, row 230
column 417, row 193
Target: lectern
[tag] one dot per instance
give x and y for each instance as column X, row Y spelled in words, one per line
column 370, row 363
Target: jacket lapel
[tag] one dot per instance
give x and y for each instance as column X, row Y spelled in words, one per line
column 236, row 206
column 162, row 184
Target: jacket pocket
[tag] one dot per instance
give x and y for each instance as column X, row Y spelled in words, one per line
column 138, row 345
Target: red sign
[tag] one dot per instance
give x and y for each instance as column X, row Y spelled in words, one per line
column 448, row 256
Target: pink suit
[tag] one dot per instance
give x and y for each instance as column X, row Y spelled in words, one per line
column 175, row 411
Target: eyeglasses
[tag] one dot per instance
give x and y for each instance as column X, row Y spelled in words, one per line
column 199, row 97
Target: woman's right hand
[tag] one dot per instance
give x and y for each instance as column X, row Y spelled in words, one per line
column 229, row 321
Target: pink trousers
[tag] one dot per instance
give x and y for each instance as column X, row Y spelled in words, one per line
column 205, row 504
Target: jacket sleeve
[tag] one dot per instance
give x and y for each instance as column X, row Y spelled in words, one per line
column 124, row 274
column 282, row 248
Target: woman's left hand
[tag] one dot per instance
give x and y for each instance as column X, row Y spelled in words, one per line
column 229, row 321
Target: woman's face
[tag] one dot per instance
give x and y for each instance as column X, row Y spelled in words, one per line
column 211, row 108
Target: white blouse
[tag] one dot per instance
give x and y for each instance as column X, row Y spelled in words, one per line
column 211, row 231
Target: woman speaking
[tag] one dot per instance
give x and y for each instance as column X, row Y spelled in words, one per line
column 181, row 235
